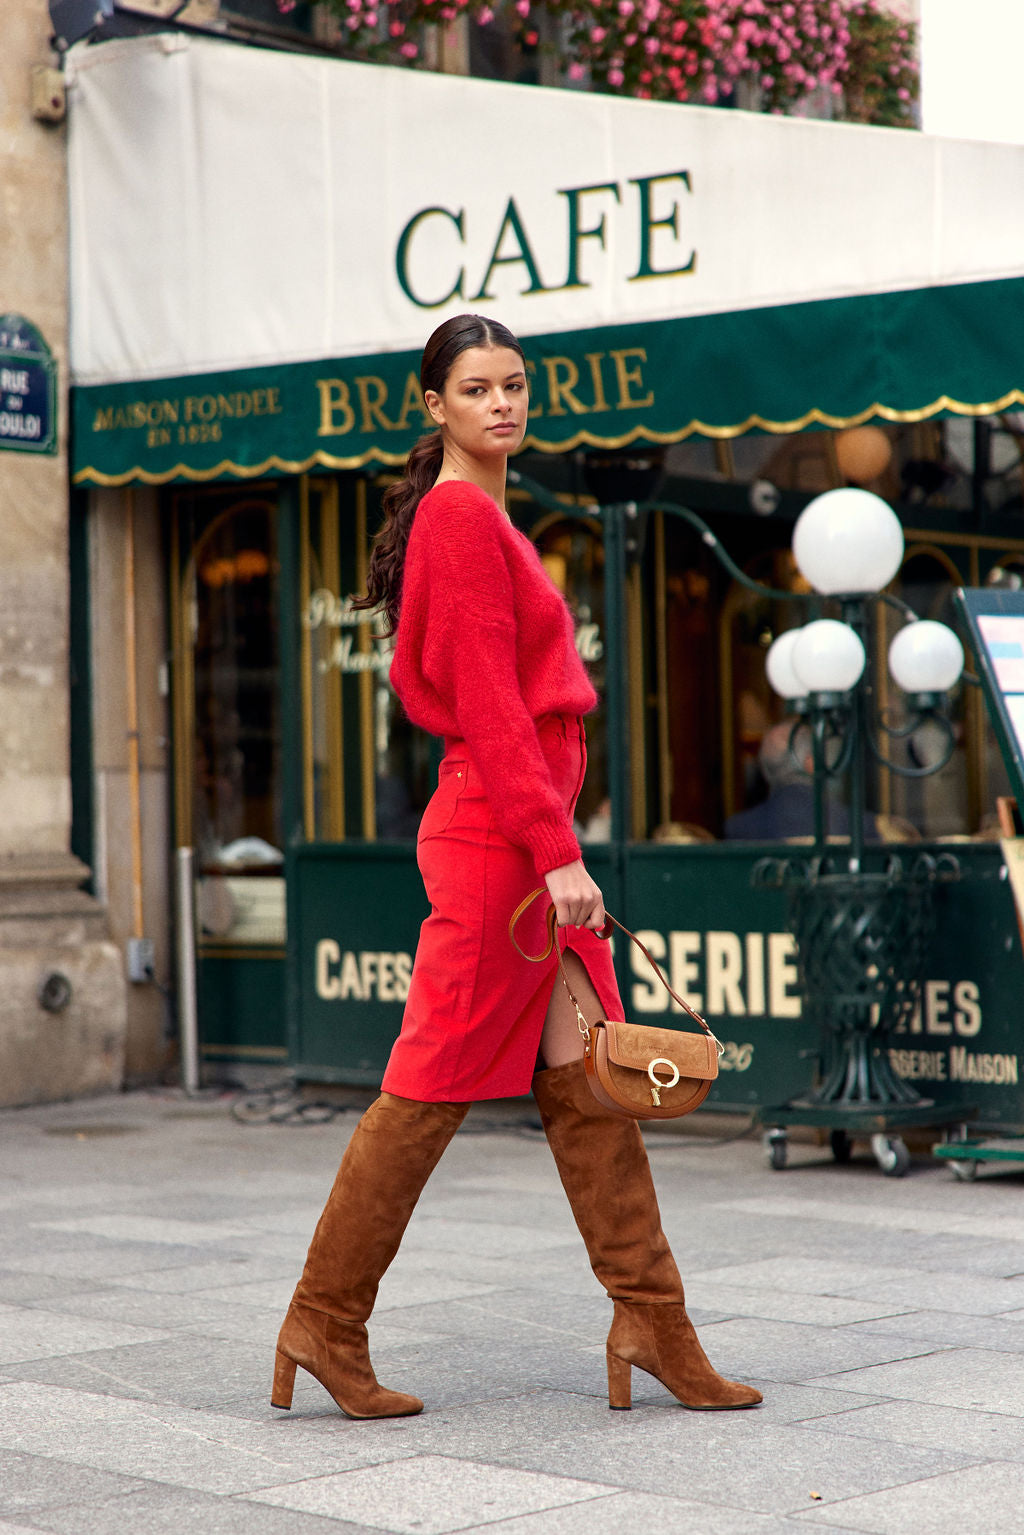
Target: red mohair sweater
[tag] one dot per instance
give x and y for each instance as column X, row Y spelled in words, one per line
column 484, row 648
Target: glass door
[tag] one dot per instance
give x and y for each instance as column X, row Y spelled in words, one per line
column 229, row 775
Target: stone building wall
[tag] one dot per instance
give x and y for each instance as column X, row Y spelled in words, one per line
column 62, row 989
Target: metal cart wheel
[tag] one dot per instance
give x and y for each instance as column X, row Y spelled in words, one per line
column 776, row 1144
column 966, row 1172
column 842, row 1146
column 891, row 1155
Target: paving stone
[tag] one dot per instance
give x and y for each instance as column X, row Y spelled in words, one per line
column 20, row 1288
column 200, row 1450
column 431, row 1495
column 26, row 1334
column 984, row 1435
column 947, row 1292
column 782, row 1305
column 749, row 1347
column 948, row 1329
column 110, row 1261
column 735, row 1460
column 170, row 1511
column 638, row 1513
column 209, row 1371
column 148, row 1228
column 803, row 1276
column 944, row 1220
column 980, row 1380
column 986, row 1497
column 232, row 1272
column 31, row 1482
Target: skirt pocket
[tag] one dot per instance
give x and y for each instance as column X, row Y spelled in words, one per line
column 444, row 802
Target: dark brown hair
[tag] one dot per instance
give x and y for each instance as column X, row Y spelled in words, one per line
column 384, row 577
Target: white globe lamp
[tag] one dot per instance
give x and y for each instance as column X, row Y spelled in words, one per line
column 828, row 657
column 925, row 659
column 779, row 666
column 848, row 541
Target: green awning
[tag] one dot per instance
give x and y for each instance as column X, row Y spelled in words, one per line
column 904, row 356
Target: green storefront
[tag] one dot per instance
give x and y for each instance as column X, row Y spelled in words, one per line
column 293, row 775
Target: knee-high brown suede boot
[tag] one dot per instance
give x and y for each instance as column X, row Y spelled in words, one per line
column 394, row 1149
column 602, row 1162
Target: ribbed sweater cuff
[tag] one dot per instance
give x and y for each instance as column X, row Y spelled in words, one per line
column 551, row 842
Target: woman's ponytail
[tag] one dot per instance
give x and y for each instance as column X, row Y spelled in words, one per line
column 384, row 576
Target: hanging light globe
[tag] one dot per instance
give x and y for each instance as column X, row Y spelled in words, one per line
column 926, row 657
column 848, row 541
column 779, row 666
column 828, row 657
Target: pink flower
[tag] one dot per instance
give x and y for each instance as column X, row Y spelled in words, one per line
column 615, row 76
column 576, row 71
column 409, row 50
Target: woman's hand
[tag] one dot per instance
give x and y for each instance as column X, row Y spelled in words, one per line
column 578, row 901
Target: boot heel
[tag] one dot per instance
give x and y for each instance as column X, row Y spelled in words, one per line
column 620, row 1383
column 284, row 1381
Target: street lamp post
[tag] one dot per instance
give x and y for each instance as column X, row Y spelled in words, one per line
column 862, row 935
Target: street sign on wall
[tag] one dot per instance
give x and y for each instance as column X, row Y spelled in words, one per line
column 28, row 388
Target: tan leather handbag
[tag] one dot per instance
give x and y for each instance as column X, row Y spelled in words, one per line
column 633, row 1069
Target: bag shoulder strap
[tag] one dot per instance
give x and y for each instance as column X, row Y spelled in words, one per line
column 606, row 932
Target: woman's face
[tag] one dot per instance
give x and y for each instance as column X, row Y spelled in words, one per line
column 482, row 408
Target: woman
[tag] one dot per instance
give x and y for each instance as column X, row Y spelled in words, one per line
column 485, row 656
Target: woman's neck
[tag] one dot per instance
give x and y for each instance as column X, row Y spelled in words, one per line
column 489, row 475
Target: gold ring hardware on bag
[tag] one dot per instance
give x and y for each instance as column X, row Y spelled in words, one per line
column 620, row 1059
column 659, row 1087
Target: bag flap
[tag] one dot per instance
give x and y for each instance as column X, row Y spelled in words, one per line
column 635, row 1045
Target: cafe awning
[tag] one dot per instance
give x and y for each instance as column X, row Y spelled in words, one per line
column 261, row 243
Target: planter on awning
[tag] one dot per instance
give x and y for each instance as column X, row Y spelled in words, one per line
column 262, row 242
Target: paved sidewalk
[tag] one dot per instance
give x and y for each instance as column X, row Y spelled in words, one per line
column 149, row 1245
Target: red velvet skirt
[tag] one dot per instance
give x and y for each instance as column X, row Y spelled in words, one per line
column 476, row 1008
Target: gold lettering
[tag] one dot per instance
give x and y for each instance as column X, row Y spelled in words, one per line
column 335, row 403
column 103, row 421
column 594, row 360
column 627, row 376
column 373, row 394
column 560, row 389
column 412, row 399
column 201, row 406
